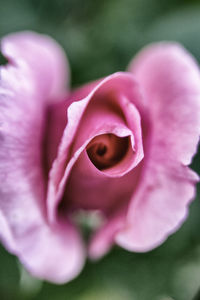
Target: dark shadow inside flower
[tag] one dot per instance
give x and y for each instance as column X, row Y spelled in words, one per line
column 103, row 165
column 106, row 150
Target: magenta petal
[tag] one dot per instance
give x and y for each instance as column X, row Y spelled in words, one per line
column 42, row 57
column 171, row 82
column 170, row 79
column 34, row 76
column 157, row 209
column 98, row 113
column 53, row 253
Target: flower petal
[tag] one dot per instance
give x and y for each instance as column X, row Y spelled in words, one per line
column 171, row 82
column 46, row 58
column 170, row 78
column 101, row 112
column 33, row 78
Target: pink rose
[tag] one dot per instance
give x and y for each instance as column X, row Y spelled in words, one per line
column 120, row 146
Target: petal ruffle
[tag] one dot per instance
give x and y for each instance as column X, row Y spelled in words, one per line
column 171, row 82
column 35, row 76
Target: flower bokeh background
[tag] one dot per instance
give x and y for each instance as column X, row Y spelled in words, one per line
column 101, row 37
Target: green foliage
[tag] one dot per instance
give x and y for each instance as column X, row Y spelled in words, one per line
column 100, row 37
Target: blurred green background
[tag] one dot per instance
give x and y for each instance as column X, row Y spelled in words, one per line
column 100, row 37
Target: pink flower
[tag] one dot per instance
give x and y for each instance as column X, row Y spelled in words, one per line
column 120, row 145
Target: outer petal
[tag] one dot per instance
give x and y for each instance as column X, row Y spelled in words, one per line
column 171, row 83
column 49, row 66
column 34, row 76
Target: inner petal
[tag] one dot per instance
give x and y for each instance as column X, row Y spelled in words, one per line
column 106, row 150
column 91, row 171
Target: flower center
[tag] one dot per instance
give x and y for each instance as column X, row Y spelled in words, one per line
column 106, row 150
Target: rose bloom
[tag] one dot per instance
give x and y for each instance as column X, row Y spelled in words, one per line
column 119, row 146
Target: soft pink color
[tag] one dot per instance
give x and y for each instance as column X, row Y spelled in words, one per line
column 120, row 146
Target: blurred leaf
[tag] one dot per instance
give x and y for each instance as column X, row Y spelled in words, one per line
column 28, row 285
column 9, row 276
column 100, row 37
column 181, row 25
column 3, row 60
